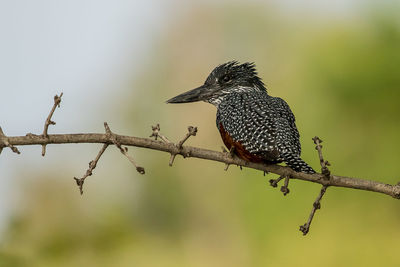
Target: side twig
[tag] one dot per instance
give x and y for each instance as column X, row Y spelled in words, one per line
column 274, row 182
column 48, row 122
column 285, row 188
column 192, row 131
column 324, row 163
column 156, row 133
column 316, row 205
column 326, row 176
column 5, row 143
column 124, row 150
column 89, row 172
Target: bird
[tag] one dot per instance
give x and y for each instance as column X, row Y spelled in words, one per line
column 253, row 125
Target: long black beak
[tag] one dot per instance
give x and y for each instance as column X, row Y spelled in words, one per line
column 197, row 94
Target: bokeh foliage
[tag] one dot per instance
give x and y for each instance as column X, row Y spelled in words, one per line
column 341, row 78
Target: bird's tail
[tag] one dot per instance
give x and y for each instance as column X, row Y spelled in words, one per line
column 297, row 164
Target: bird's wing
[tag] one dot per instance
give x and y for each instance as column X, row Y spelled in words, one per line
column 264, row 125
column 287, row 134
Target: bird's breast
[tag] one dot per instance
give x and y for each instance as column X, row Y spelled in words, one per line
column 239, row 149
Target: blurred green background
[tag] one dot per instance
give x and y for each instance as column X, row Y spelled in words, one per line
column 337, row 67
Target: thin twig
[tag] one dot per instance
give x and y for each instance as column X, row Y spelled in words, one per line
column 124, row 150
column 324, row 163
column 274, row 182
column 171, row 160
column 5, row 143
column 285, row 188
column 48, row 122
column 192, row 131
column 92, row 165
column 156, row 133
column 305, row 228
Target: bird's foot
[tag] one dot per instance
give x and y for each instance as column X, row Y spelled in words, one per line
column 231, row 154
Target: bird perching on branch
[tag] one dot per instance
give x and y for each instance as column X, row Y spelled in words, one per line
column 254, row 125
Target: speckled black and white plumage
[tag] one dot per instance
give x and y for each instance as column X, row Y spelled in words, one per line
column 264, row 125
column 261, row 124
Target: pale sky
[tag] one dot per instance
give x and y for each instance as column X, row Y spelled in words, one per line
column 78, row 47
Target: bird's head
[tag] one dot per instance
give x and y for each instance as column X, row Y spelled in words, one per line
column 225, row 79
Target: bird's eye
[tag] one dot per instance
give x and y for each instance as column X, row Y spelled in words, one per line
column 226, row 78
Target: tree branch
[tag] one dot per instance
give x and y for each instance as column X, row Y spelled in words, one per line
column 109, row 138
column 48, row 122
column 195, row 152
column 89, row 172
